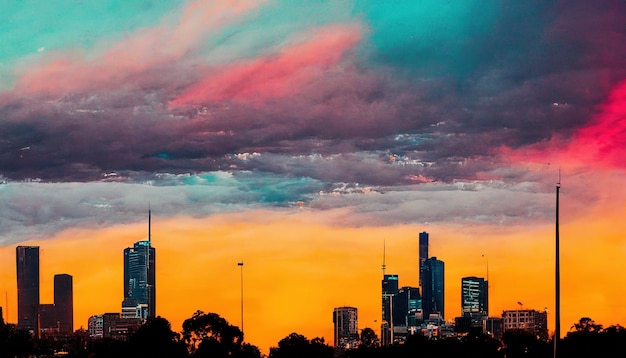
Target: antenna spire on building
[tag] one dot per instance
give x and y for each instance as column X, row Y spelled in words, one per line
column 384, row 253
column 149, row 223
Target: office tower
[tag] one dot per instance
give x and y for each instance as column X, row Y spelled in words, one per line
column 64, row 303
column 532, row 321
column 423, row 253
column 407, row 307
column 389, row 290
column 474, row 296
column 27, row 259
column 433, row 288
column 346, row 327
column 48, row 323
column 95, row 326
column 139, row 273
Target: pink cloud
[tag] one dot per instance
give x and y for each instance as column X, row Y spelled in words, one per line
column 278, row 75
column 601, row 144
column 125, row 62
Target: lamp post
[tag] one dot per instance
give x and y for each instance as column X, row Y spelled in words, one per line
column 557, row 279
column 240, row 264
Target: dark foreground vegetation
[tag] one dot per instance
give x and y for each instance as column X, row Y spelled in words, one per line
column 209, row 335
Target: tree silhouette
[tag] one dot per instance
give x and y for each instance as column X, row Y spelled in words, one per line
column 369, row 339
column 298, row 346
column 210, row 335
column 156, row 339
column 586, row 324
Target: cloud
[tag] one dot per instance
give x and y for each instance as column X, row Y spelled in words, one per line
column 275, row 76
column 339, row 97
column 39, row 210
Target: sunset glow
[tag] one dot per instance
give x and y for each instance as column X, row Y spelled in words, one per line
column 299, row 138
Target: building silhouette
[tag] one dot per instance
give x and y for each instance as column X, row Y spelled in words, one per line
column 474, row 296
column 48, row 323
column 407, row 307
column 64, row 303
column 140, row 275
column 27, row 260
column 532, row 321
column 389, row 290
column 433, row 288
column 423, row 254
column 346, row 327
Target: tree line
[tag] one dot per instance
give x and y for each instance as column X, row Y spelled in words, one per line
column 210, row 335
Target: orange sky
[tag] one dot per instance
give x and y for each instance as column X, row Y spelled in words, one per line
column 297, row 268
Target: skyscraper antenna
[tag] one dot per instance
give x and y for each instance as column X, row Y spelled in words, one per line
column 149, row 223
column 384, row 253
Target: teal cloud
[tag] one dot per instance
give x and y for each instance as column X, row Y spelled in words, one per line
column 429, row 36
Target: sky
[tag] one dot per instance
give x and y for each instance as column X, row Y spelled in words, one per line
column 297, row 136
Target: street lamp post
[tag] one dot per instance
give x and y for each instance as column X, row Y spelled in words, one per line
column 240, row 264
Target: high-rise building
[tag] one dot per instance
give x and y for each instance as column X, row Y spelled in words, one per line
column 407, row 307
column 474, row 296
column 389, row 290
column 346, row 333
column 64, row 302
column 48, row 323
column 27, row 260
column 433, row 288
column 140, row 274
column 532, row 321
column 423, row 253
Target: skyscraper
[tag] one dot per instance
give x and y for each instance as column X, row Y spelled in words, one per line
column 407, row 306
column 423, row 253
column 433, row 288
column 474, row 296
column 389, row 290
column 64, row 303
column 346, row 327
column 140, row 274
column 27, row 260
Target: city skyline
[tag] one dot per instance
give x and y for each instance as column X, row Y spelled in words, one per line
column 300, row 139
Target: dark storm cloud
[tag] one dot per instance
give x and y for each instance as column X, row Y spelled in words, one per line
column 523, row 72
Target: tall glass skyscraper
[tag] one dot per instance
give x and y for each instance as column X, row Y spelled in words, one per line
column 27, row 259
column 389, row 290
column 139, row 275
column 64, row 303
column 433, row 287
column 474, row 296
column 423, row 253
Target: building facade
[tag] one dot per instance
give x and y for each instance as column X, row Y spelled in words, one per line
column 48, row 322
column 423, row 254
column 140, row 275
column 27, row 260
column 389, row 291
column 474, row 296
column 433, row 288
column 64, row 303
column 532, row 321
column 346, row 327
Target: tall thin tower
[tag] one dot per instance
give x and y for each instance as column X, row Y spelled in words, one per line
column 27, row 260
column 140, row 274
column 423, row 254
column 557, row 278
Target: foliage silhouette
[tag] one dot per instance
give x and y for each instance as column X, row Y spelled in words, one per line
column 298, row 346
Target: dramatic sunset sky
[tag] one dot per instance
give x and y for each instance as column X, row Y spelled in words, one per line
column 297, row 136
